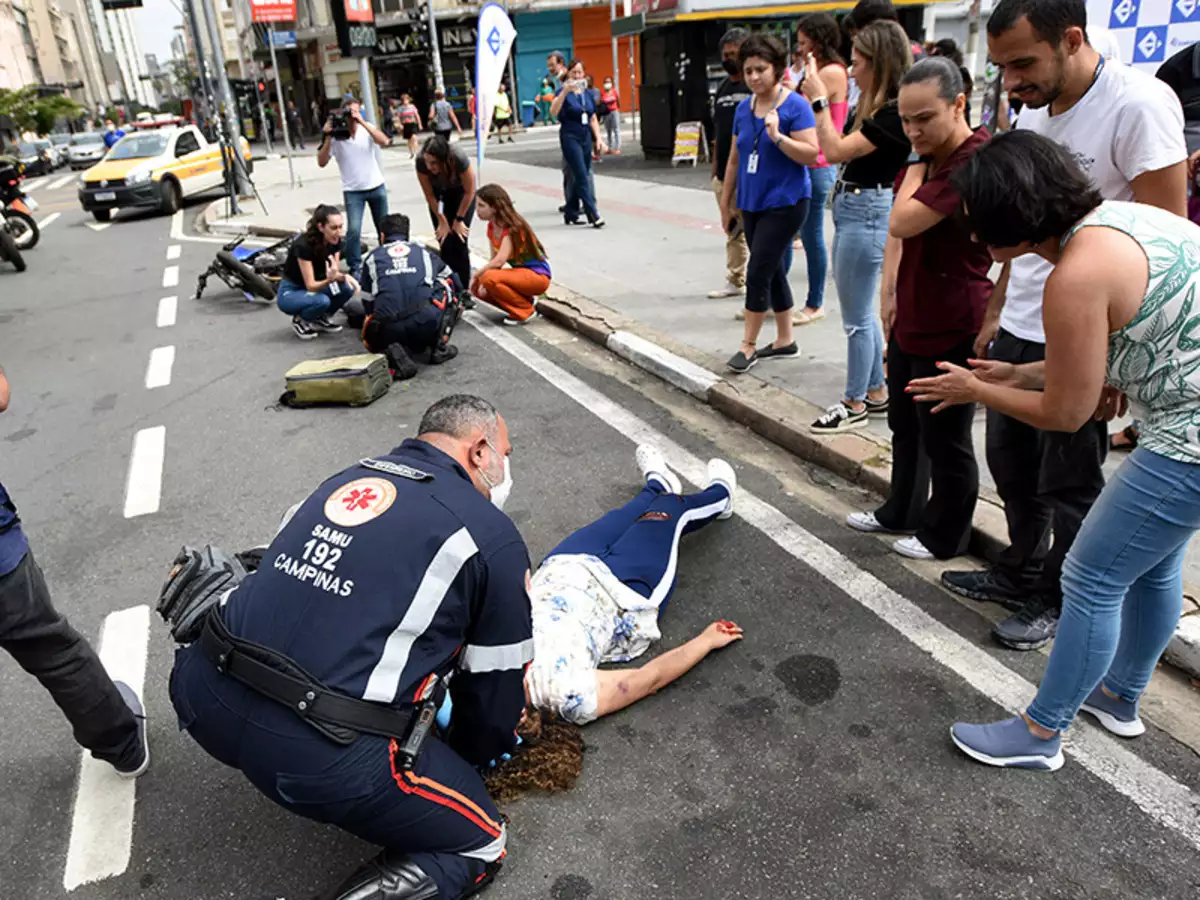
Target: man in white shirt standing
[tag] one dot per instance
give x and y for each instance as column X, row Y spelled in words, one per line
column 1126, row 129
column 362, row 178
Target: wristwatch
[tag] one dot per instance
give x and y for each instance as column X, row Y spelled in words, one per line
column 820, row 103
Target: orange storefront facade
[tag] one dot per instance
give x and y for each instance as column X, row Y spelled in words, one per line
column 592, row 38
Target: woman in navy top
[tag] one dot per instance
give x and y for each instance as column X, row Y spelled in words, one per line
column 774, row 142
column 578, row 126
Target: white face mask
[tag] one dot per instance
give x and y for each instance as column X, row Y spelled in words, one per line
column 498, row 493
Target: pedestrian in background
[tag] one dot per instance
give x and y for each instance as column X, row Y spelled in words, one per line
column 296, row 131
column 610, row 101
column 503, row 115
column 730, row 92
column 556, row 64
column 935, row 291
column 1128, row 125
column 578, row 133
column 362, row 178
column 818, row 36
column 874, row 151
column 442, row 119
column 544, row 99
column 409, row 120
column 774, row 142
column 471, row 110
column 106, row 716
column 513, row 289
column 447, row 178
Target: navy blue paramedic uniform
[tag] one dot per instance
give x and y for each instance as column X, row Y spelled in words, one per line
column 407, row 301
column 377, row 581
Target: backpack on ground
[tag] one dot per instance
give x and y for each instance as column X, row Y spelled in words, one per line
column 346, row 380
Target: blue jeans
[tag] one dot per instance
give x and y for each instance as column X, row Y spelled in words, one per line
column 577, row 151
column 640, row 541
column 861, row 228
column 1122, row 586
column 309, row 305
column 376, row 198
column 812, row 233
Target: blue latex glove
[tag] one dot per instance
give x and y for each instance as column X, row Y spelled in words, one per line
column 443, row 716
column 505, row 757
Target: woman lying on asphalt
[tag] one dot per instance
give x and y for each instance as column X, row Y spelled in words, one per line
column 313, row 286
column 1119, row 318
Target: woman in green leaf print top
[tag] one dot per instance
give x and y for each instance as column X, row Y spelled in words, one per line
column 1122, row 318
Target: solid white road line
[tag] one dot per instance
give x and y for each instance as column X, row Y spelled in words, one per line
column 1158, row 795
column 50, row 218
column 178, row 235
column 173, row 251
column 143, row 486
column 166, row 312
column 158, row 370
column 102, row 822
column 170, row 276
column 60, row 183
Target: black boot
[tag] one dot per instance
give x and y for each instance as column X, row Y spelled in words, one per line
column 402, row 367
column 389, row 876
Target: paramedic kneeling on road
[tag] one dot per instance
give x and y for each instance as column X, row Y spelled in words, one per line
column 415, row 300
column 390, row 577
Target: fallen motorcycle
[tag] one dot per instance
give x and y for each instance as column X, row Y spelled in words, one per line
column 9, row 252
column 253, row 271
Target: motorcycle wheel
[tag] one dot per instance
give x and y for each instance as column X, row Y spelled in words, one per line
column 24, row 230
column 9, row 251
column 252, row 281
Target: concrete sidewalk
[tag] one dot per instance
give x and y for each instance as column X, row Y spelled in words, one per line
column 646, row 276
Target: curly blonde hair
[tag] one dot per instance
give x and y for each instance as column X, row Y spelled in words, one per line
column 550, row 760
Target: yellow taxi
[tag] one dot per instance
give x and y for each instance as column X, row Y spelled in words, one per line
column 153, row 169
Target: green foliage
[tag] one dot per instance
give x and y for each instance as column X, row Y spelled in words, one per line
column 35, row 113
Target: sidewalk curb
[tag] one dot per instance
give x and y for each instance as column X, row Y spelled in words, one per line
column 782, row 418
column 211, row 220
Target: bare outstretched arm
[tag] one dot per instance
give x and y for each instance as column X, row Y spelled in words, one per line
column 618, row 688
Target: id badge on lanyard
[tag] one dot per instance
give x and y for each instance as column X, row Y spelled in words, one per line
column 584, row 117
column 752, row 164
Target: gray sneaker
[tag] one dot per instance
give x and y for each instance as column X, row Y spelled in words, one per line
column 1033, row 627
column 137, row 766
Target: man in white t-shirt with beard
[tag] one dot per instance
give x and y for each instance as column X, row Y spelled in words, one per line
column 1126, row 129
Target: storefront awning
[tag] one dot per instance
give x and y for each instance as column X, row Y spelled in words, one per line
column 780, row 9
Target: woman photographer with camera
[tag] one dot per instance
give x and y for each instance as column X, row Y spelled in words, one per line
column 313, row 285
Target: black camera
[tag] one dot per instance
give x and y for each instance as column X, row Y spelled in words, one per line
column 340, row 120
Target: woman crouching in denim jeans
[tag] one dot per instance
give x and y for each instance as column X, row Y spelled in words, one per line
column 1120, row 321
column 874, row 150
column 313, row 286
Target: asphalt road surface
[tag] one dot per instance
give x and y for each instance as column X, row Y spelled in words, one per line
column 812, row 760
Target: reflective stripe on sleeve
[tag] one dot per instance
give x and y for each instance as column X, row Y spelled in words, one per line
column 498, row 658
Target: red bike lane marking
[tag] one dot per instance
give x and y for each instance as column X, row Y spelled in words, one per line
column 632, row 209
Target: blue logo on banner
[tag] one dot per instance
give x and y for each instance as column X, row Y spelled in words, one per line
column 283, row 40
column 1124, row 14
column 1150, row 45
column 1184, row 11
column 493, row 40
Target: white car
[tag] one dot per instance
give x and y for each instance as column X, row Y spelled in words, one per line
column 86, row 149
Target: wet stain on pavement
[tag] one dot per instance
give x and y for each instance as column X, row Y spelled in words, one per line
column 810, row 679
column 754, row 711
column 859, row 730
column 740, row 690
column 628, row 732
column 756, row 665
column 571, row 887
column 105, row 403
column 20, row 435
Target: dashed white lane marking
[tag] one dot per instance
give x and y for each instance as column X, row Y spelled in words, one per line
column 143, row 486
column 158, row 370
column 50, row 218
column 28, row 186
column 173, row 251
column 60, row 183
column 1158, row 795
column 166, row 312
column 97, row 226
column 102, row 822
column 170, row 276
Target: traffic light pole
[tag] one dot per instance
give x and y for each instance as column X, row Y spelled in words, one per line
column 242, row 185
column 287, row 139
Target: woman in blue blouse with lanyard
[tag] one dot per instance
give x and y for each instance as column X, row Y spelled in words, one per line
column 774, row 142
column 576, row 113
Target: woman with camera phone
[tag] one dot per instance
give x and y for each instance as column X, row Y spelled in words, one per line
column 575, row 109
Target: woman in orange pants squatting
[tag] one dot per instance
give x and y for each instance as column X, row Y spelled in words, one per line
column 513, row 243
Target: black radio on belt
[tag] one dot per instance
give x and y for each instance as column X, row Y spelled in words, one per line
column 422, row 724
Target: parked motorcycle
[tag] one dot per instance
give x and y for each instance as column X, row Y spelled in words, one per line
column 253, row 271
column 17, row 208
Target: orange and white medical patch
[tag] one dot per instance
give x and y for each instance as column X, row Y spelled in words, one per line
column 360, row 501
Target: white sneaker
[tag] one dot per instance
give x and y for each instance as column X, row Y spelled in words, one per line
column 866, row 521
column 730, row 290
column 654, row 465
column 721, row 472
column 912, row 548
